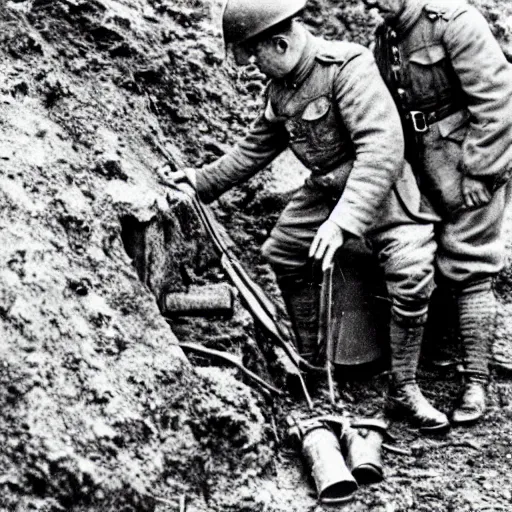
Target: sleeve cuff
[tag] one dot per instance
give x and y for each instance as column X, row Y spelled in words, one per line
column 348, row 224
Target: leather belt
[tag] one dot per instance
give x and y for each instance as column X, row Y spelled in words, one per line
column 422, row 119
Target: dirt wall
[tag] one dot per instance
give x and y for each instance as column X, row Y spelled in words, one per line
column 100, row 409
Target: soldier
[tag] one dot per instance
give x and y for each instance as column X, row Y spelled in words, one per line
column 328, row 103
column 453, row 87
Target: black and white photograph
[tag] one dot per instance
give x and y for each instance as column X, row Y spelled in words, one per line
column 255, row 256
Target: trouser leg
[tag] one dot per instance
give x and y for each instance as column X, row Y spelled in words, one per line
column 406, row 254
column 471, row 245
column 301, row 295
column 471, row 252
column 287, row 252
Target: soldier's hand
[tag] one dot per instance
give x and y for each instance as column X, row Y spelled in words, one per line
column 474, row 192
column 183, row 180
column 328, row 239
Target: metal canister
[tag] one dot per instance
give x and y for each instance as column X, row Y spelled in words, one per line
column 362, row 448
column 322, row 453
column 208, row 300
column 358, row 323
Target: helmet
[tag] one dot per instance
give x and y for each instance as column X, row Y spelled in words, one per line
column 244, row 19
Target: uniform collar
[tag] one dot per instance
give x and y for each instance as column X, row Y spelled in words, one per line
column 407, row 17
column 301, row 71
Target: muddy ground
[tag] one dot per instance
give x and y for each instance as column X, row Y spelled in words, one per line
column 100, row 408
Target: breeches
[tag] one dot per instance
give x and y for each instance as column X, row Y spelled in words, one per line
column 405, row 250
column 470, row 244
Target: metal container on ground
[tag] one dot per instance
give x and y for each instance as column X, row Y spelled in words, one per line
column 358, row 319
column 208, row 300
column 322, row 455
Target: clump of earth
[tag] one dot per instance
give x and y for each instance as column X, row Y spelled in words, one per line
column 100, row 409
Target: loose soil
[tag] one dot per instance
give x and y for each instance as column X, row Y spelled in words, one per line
column 100, row 408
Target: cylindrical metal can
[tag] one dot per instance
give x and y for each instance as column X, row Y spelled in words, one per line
column 358, row 322
column 209, row 300
column 322, row 453
column 363, row 448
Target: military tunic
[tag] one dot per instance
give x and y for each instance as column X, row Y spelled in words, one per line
column 453, row 87
column 338, row 118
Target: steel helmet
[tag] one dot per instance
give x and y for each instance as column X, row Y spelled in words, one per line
column 244, row 19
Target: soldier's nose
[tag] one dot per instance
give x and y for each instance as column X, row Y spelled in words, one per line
column 256, row 62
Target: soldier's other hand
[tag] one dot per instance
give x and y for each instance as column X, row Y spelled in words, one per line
column 328, row 239
column 474, row 192
column 183, row 180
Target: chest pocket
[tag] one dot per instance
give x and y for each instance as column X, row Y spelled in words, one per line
column 432, row 77
column 316, row 125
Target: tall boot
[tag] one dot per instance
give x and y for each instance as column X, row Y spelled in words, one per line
column 477, row 314
column 405, row 397
column 302, row 300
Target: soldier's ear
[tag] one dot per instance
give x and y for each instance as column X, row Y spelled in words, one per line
column 281, row 44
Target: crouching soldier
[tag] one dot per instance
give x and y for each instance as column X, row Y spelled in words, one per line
column 327, row 102
column 453, row 86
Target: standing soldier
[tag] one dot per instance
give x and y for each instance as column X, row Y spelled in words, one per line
column 328, row 103
column 453, row 87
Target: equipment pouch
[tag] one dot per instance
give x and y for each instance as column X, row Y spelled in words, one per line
column 442, row 178
column 317, row 124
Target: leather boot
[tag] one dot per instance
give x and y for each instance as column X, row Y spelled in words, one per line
column 302, row 299
column 472, row 404
column 405, row 397
column 408, row 400
column 477, row 314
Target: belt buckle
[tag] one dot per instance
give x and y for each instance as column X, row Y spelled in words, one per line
column 419, row 121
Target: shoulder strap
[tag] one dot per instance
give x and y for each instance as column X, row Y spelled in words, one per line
column 442, row 9
column 338, row 52
column 327, row 58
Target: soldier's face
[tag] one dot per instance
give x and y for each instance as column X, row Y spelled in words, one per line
column 270, row 56
column 386, row 8
column 269, row 61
